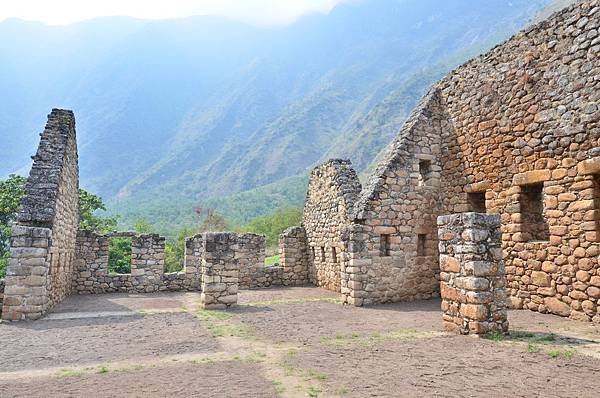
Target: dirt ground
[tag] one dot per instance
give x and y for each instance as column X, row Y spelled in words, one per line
column 289, row 342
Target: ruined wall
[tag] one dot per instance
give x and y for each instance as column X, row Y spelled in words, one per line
column 147, row 266
column 332, row 190
column 220, row 269
column 1, row 294
column 44, row 237
column 295, row 256
column 392, row 243
column 472, row 280
column 521, row 129
column 147, row 275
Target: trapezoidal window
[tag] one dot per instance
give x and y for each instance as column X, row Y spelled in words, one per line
column 533, row 223
column 334, row 254
column 424, row 172
column 119, row 255
column 421, row 245
column 384, row 245
column 314, row 257
column 476, row 202
column 322, row 254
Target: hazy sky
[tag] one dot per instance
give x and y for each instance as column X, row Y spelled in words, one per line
column 262, row 12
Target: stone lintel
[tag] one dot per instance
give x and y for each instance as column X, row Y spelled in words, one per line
column 589, row 166
column 532, row 177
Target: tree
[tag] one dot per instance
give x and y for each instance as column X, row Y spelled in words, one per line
column 88, row 221
column 11, row 193
column 211, row 221
column 141, row 226
column 274, row 224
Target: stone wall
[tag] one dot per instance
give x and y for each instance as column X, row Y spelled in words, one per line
column 44, row 237
column 295, row 256
column 220, row 269
column 332, row 191
column 514, row 132
column 91, row 274
column 521, row 129
column 147, row 266
column 472, row 278
column 1, row 294
column 392, row 242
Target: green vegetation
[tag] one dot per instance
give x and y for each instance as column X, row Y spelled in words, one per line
column 11, row 192
column 119, row 255
column 271, row 261
column 218, row 324
column 274, row 224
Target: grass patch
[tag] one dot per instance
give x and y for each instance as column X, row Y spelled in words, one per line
column 343, row 340
column 313, row 392
column 255, row 357
column 294, row 301
column 271, row 261
column 103, row 369
column 218, row 325
column 279, row 388
column 342, row 391
column 69, row 373
column 311, row 374
column 201, row 361
column 535, row 342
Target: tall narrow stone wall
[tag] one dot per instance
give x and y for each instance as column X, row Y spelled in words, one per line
column 472, row 277
column 295, row 256
column 392, row 241
column 220, row 270
column 44, row 238
column 332, row 190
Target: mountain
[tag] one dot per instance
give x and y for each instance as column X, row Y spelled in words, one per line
column 175, row 113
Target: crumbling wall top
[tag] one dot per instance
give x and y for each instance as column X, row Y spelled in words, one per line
column 38, row 206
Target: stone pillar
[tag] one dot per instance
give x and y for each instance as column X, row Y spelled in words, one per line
column 219, row 271
column 148, row 260
column 294, row 257
column 26, row 295
column 472, row 277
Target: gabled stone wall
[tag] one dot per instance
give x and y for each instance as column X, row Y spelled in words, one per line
column 521, row 127
column 332, row 190
column 514, row 132
column 392, row 243
column 44, row 237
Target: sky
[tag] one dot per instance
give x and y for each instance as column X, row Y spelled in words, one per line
column 257, row 12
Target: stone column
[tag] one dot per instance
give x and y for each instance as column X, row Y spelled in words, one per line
column 294, row 257
column 26, row 294
column 472, row 277
column 219, row 271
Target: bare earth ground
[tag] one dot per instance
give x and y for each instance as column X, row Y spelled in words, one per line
column 290, row 342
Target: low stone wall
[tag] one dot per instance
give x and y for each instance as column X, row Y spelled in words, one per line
column 147, row 266
column 472, row 277
column 295, row 257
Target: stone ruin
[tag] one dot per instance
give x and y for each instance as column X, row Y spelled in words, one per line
column 489, row 196
column 515, row 133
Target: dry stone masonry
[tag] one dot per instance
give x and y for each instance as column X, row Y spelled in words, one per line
column 44, row 237
column 514, row 132
column 220, row 270
column 472, row 282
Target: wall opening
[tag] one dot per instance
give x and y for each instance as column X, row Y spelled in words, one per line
column 384, row 245
column 424, row 172
column 476, row 202
column 421, row 245
column 322, row 254
column 334, row 254
column 312, row 249
column 596, row 187
column 533, row 224
column 119, row 255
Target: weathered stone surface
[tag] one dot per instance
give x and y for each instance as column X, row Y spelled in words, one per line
column 473, row 289
column 44, row 238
